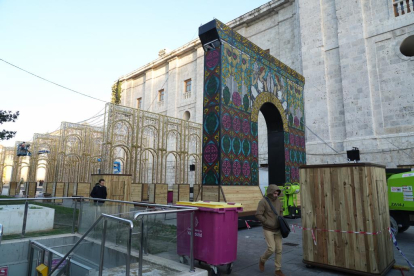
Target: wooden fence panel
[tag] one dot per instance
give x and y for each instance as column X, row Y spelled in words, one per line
column 346, row 197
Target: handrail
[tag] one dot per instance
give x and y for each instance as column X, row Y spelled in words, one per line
column 170, row 209
column 38, row 198
column 93, row 198
column 187, row 209
column 141, row 250
column 126, row 221
column 89, row 230
column 39, row 245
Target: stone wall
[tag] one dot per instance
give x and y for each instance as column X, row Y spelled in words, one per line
column 359, row 86
column 358, row 90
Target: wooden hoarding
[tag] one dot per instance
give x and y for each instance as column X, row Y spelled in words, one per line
column 70, row 189
column 83, row 189
column 145, row 191
column 196, row 192
column 12, row 188
column 346, row 197
column 118, row 186
column 158, row 193
column 31, row 189
column 248, row 196
column 136, row 192
column 59, row 191
column 181, row 192
column 49, row 188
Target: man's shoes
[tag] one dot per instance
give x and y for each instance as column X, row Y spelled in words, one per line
column 261, row 265
column 279, row 273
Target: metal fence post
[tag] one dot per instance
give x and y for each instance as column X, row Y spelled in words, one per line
column 117, row 228
column 128, row 258
column 141, row 248
column 26, row 209
column 145, row 245
column 74, row 217
column 192, row 243
column 101, row 260
column 68, row 266
column 30, row 258
column 1, row 232
column 50, row 261
column 80, row 213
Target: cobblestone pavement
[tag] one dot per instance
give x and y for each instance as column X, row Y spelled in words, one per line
column 251, row 245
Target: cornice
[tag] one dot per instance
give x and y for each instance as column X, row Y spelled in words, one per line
column 245, row 19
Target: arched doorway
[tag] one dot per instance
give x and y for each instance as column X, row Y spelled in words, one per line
column 275, row 143
column 268, row 105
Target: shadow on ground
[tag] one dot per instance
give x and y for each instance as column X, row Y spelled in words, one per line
column 251, row 245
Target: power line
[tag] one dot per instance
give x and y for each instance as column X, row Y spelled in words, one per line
column 322, row 139
column 64, row 87
column 91, row 118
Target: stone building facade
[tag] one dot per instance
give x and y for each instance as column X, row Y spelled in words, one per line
column 359, row 86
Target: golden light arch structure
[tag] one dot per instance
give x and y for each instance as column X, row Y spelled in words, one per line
column 144, row 141
column 150, row 147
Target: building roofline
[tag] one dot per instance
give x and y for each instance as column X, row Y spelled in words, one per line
column 246, row 18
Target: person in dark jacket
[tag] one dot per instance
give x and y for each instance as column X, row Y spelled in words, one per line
column 99, row 191
column 271, row 229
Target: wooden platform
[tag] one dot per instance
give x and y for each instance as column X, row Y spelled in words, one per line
column 248, row 196
column 346, row 197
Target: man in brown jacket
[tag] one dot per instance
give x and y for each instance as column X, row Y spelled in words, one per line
column 271, row 228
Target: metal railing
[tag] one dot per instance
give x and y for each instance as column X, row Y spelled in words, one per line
column 37, row 199
column 103, row 240
column 50, row 252
column 181, row 209
column 166, row 209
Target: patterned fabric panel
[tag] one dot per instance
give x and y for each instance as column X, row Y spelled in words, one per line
column 211, row 115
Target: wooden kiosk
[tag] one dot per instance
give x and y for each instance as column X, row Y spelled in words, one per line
column 346, row 197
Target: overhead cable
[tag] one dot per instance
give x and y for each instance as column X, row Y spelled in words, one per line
column 64, row 87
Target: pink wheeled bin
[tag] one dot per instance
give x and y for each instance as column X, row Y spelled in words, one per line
column 215, row 233
column 170, row 196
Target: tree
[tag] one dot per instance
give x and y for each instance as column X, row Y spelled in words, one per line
column 116, row 92
column 7, row 116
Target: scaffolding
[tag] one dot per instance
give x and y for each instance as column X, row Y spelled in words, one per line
column 153, row 148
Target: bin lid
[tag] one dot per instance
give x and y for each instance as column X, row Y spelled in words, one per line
column 210, row 204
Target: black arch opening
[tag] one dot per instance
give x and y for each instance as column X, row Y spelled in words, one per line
column 276, row 144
